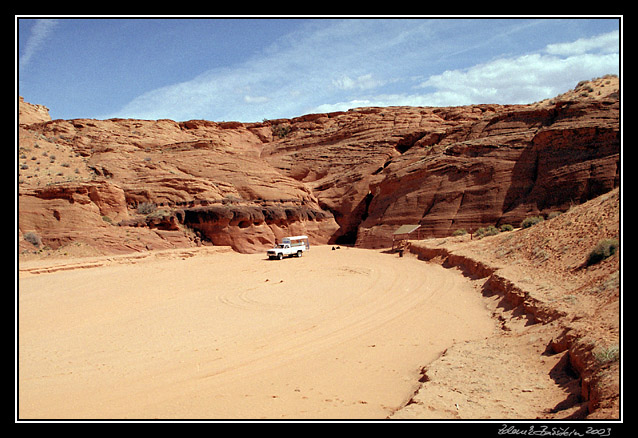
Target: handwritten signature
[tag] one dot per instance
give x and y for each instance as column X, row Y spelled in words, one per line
column 554, row 431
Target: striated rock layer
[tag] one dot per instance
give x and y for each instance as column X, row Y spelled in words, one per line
column 520, row 162
column 344, row 177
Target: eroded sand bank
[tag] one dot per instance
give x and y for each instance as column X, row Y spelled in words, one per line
column 212, row 334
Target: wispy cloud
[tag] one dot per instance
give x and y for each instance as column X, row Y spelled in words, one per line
column 527, row 78
column 520, row 79
column 363, row 82
column 337, row 65
column 40, row 32
column 605, row 43
column 325, row 61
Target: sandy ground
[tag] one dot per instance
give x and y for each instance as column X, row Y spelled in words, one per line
column 211, row 334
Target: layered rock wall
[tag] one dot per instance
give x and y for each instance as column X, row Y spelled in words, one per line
column 519, row 163
column 344, row 177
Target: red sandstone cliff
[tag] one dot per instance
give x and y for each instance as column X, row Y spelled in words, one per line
column 123, row 184
column 28, row 113
column 455, row 168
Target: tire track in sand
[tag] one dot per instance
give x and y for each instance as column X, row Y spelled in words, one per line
column 334, row 334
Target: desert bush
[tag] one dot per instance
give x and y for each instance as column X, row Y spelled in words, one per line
column 506, row 227
column 33, row 238
column 605, row 248
column 146, row 208
column 608, row 354
column 487, row 231
column 158, row 214
column 281, row 131
column 530, row 221
column 553, row 214
column 460, row 232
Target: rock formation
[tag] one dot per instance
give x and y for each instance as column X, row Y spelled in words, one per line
column 517, row 163
column 344, row 177
column 28, row 113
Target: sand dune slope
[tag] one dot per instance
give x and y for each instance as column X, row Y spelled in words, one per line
column 212, row 334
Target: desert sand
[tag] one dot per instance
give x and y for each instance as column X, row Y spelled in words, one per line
column 208, row 333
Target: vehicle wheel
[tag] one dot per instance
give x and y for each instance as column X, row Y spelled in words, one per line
column 299, row 253
column 280, row 256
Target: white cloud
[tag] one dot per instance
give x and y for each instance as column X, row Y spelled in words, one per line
column 321, row 62
column 515, row 80
column 362, row 82
column 255, row 99
column 342, row 106
column 323, row 69
column 522, row 79
column 605, row 43
column 40, row 31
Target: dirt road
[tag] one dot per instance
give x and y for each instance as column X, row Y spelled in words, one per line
column 212, row 334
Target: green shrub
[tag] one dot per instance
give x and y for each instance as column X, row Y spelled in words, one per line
column 460, row 232
column 530, row 221
column 506, row 227
column 281, row 131
column 487, row 231
column 605, row 248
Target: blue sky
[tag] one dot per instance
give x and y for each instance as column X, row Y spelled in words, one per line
column 251, row 69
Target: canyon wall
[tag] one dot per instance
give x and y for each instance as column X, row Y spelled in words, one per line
column 346, row 177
